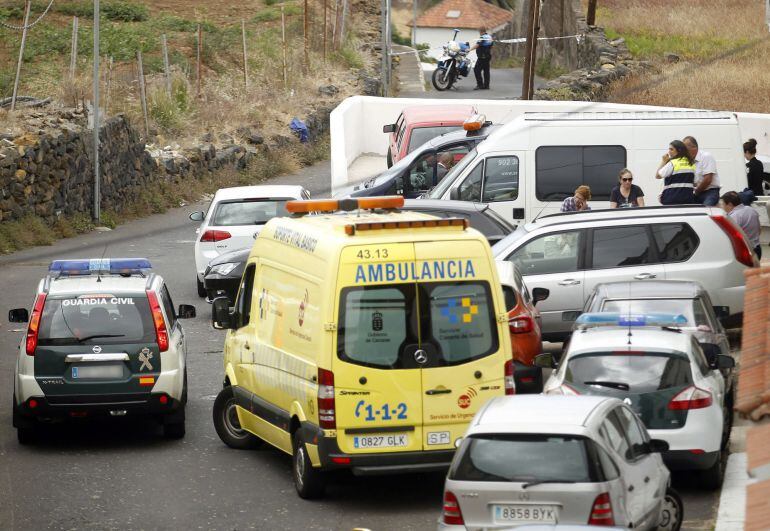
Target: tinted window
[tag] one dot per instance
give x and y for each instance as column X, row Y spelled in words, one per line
column 561, row 169
column 685, row 307
column 676, row 242
column 168, row 306
column 248, row 212
column 447, row 158
column 635, row 436
column 643, row 373
column 91, row 319
column 421, row 173
column 470, row 188
column 612, row 432
column 608, row 465
column 243, row 302
column 552, row 253
column 510, row 298
column 522, row 458
column 501, row 179
column 420, row 135
column 621, row 246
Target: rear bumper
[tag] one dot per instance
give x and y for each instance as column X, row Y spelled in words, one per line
column 57, row 407
column 686, row 460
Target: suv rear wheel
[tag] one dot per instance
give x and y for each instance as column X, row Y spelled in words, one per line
column 308, row 481
column 26, row 428
column 227, row 425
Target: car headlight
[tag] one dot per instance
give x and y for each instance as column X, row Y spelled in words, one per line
column 224, row 269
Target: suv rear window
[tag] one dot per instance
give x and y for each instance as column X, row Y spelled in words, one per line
column 382, row 326
column 248, row 212
column 103, row 319
column 642, row 373
column 523, row 458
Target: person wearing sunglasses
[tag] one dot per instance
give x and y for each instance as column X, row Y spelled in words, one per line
column 626, row 194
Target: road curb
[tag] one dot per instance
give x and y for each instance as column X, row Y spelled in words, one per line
column 732, row 501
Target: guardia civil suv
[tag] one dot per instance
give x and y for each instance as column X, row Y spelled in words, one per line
column 103, row 340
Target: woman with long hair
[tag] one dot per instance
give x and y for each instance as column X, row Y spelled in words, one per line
column 754, row 168
column 677, row 169
column 626, row 194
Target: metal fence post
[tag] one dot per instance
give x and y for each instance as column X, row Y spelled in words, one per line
column 97, row 173
column 27, row 9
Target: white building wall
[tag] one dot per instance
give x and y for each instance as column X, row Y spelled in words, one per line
column 437, row 37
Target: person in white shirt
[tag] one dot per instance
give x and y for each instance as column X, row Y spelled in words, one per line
column 706, row 177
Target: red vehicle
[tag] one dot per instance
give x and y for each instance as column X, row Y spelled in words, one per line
column 417, row 125
column 524, row 325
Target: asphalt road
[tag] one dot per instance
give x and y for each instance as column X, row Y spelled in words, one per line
column 124, row 475
column 504, row 84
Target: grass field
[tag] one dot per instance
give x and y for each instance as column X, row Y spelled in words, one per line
column 723, row 46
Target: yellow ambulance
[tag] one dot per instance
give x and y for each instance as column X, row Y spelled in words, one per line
column 362, row 338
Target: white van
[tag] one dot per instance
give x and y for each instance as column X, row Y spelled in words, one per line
column 526, row 168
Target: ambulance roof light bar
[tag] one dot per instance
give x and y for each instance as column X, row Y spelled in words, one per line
column 100, row 266
column 353, row 228
column 349, row 204
column 475, row 122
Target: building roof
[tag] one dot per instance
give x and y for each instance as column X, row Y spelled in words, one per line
column 464, row 14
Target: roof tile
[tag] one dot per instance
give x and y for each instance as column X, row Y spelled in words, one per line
column 469, row 14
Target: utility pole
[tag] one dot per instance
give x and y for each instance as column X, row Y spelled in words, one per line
column 385, row 47
column 27, row 9
column 414, row 23
column 97, row 174
column 530, row 58
column 591, row 15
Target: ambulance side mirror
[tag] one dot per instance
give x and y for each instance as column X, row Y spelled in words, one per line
column 18, row 315
column 221, row 316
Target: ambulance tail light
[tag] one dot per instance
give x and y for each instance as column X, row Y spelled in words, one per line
column 215, row 236
column 34, row 324
column 327, row 415
column 161, row 333
column 510, row 384
column 475, row 122
column 741, row 248
column 348, row 204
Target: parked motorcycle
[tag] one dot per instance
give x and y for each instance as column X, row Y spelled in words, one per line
column 452, row 65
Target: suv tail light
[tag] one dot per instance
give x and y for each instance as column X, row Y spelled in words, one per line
column 601, row 512
column 215, row 235
column 510, row 384
column 452, row 513
column 34, row 324
column 690, row 398
column 327, row 415
column 520, row 325
column 161, row 333
column 741, row 247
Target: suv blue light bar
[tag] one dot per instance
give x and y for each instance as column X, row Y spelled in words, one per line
column 104, row 266
column 625, row 319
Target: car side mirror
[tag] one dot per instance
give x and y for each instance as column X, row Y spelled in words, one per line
column 721, row 312
column 454, row 194
column 18, row 315
column 186, row 311
column 221, row 316
column 197, row 216
column 712, row 352
column 390, row 128
column 725, row 362
column 540, row 294
column 545, row 361
column 657, row 446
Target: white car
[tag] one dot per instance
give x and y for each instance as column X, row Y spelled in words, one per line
column 662, row 374
column 534, row 459
column 234, row 218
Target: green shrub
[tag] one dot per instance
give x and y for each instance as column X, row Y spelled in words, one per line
column 125, row 11
column 169, row 112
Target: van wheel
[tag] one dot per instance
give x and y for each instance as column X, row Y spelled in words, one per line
column 308, row 481
column 201, row 287
column 712, row 477
column 227, row 425
column 672, row 513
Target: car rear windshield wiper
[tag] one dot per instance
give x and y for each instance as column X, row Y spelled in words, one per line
column 81, row 339
column 542, row 481
column 614, row 385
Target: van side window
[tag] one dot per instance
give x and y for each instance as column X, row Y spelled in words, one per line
column 501, row 179
column 470, row 188
column 621, row 247
column 551, row 253
column 243, row 304
column 561, row 169
column 676, row 241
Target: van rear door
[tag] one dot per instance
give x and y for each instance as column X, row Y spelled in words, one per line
column 464, row 345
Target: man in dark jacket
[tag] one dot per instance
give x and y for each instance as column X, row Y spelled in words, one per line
column 483, row 47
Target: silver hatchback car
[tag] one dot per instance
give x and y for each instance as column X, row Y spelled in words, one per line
column 534, row 459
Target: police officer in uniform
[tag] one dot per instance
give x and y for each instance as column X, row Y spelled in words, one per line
column 677, row 169
column 483, row 47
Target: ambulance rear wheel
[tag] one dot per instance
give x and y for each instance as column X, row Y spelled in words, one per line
column 308, row 481
column 227, row 424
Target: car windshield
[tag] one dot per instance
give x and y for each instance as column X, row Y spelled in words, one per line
column 420, row 135
column 248, row 211
column 638, row 372
column 96, row 319
column 692, row 309
column 446, row 182
column 522, row 458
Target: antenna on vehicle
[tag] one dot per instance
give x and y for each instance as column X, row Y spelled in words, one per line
column 101, row 259
column 629, row 313
column 542, row 210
